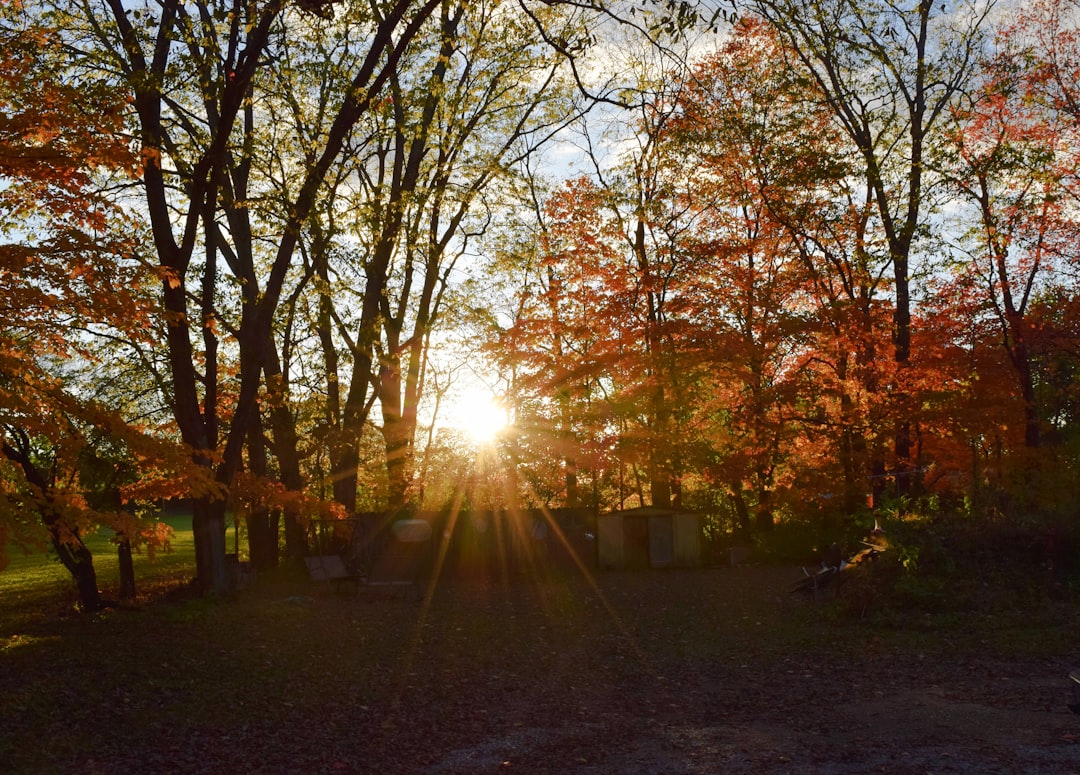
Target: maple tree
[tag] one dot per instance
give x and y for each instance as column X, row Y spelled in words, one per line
column 545, row 349
column 646, row 295
column 889, row 72
column 69, row 274
column 748, row 302
column 620, row 323
column 1000, row 172
column 1012, row 159
column 807, row 184
column 1048, row 39
column 594, row 344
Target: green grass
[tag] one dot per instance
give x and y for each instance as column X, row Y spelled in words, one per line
column 37, row 584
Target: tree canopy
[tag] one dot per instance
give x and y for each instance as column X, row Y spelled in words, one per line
column 772, row 265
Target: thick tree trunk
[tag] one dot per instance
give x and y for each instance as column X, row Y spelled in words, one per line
column 345, row 450
column 397, row 433
column 344, row 464
column 262, row 522
column 286, row 451
column 68, row 544
column 763, row 515
column 77, row 559
column 659, row 479
column 208, row 526
column 660, row 451
column 846, row 455
column 1017, row 347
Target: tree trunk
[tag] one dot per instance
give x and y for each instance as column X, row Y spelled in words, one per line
column 763, row 516
column 1017, row 347
column 127, row 569
column 743, row 525
column 397, row 435
column 660, row 464
column 566, row 437
column 80, row 564
column 852, row 447
column 659, row 480
column 286, row 451
column 262, row 522
column 900, row 250
column 345, row 450
column 68, row 544
column 208, row 526
column 902, row 449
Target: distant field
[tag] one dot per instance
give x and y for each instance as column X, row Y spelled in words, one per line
column 38, row 582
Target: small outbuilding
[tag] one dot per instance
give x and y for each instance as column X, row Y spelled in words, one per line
column 648, row 537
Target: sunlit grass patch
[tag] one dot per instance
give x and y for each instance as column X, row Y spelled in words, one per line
column 37, row 585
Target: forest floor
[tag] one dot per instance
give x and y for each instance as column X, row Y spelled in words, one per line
column 701, row 671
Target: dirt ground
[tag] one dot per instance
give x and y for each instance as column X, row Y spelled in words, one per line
column 708, row 671
column 914, row 721
column 723, row 682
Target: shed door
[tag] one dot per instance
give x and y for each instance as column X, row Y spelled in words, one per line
column 661, row 542
column 637, row 552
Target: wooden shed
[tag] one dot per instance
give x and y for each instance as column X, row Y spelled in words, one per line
column 648, row 537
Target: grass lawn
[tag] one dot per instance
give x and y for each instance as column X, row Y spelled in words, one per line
column 37, row 585
column 683, row 671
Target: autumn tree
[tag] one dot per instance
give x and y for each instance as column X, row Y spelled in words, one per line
column 51, row 264
column 770, row 150
column 1054, row 38
column 593, row 334
column 642, row 184
column 69, row 276
column 736, row 115
column 190, row 70
column 546, row 345
column 889, row 72
column 1004, row 168
column 426, row 189
column 1011, row 160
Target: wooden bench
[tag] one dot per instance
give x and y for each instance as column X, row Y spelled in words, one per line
column 330, row 568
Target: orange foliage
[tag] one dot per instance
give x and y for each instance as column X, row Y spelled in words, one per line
column 249, row 492
column 67, row 263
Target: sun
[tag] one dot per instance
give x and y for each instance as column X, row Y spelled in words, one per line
column 479, row 416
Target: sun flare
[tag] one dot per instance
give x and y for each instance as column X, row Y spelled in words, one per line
column 479, row 416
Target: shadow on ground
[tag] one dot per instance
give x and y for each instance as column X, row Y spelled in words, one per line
column 707, row 671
